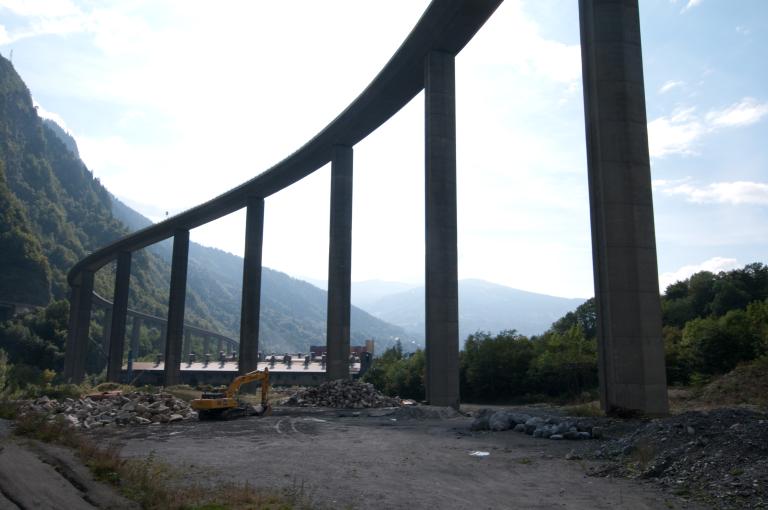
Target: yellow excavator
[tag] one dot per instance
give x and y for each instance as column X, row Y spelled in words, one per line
column 225, row 406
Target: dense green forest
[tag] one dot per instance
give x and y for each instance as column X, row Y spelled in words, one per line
column 711, row 323
column 53, row 212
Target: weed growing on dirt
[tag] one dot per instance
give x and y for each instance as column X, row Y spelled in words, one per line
column 153, row 484
column 588, row 409
column 641, row 457
column 38, row 426
column 8, row 409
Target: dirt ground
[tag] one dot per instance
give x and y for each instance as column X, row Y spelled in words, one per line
column 403, row 459
column 41, row 476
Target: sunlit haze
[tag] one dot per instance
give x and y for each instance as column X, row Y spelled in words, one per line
column 173, row 103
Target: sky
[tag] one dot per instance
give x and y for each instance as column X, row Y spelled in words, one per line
column 175, row 102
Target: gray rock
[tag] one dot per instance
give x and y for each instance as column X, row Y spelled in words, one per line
column 532, row 424
column 499, row 421
column 480, row 423
column 556, row 437
column 516, row 418
column 520, row 427
column 572, row 455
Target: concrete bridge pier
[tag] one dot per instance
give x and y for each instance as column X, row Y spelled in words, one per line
column 133, row 352
column 630, row 350
column 187, row 345
column 106, row 329
column 80, row 303
column 441, row 259
column 339, row 264
column 119, row 316
column 175, row 324
column 251, row 300
column 206, row 345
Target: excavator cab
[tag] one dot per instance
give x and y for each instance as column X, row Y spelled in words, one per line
column 225, row 405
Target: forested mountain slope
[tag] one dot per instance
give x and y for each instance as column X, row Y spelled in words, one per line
column 53, row 212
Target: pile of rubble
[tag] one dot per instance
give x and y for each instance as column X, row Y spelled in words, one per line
column 136, row 408
column 342, row 393
column 551, row 427
column 720, row 456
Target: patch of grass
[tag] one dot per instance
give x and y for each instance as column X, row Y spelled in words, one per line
column 524, row 461
column 183, row 392
column 8, row 409
column 588, row 409
column 746, row 385
column 39, row 427
column 641, row 457
column 153, row 484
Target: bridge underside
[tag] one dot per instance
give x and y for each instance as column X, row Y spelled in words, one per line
column 631, row 356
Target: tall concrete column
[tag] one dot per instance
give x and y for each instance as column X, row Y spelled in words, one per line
column 175, row 326
column 163, row 327
column 631, row 350
column 207, row 345
column 106, row 329
column 134, row 353
column 80, row 303
column 186, row 348
column 339, row 265
column 441, row 275
column 119, row 315
column 251, row 300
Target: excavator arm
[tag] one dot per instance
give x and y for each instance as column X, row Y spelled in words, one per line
column 234, row 386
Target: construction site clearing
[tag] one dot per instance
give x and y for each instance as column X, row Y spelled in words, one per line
column 406, row 455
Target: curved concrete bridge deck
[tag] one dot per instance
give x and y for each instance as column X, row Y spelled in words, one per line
column 631, row 354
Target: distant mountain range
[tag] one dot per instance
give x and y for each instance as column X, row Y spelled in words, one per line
column 483, row 306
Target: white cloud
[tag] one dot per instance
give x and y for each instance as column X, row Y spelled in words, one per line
column 745, row 112
column 714, row 265
column 692, row 3
column 43, row 17
column 680, row 132
column 535, row 55
column 676, row 134
column 689, row 5
column 669, row 85
column 40, row 8
column 743, row 30
column 732, row 193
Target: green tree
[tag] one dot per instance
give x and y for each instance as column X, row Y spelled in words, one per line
column 585, row 316
column 495, row 367
column 717, row 345
column 565, row 362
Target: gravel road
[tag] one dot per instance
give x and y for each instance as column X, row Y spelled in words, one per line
column 390, row 459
